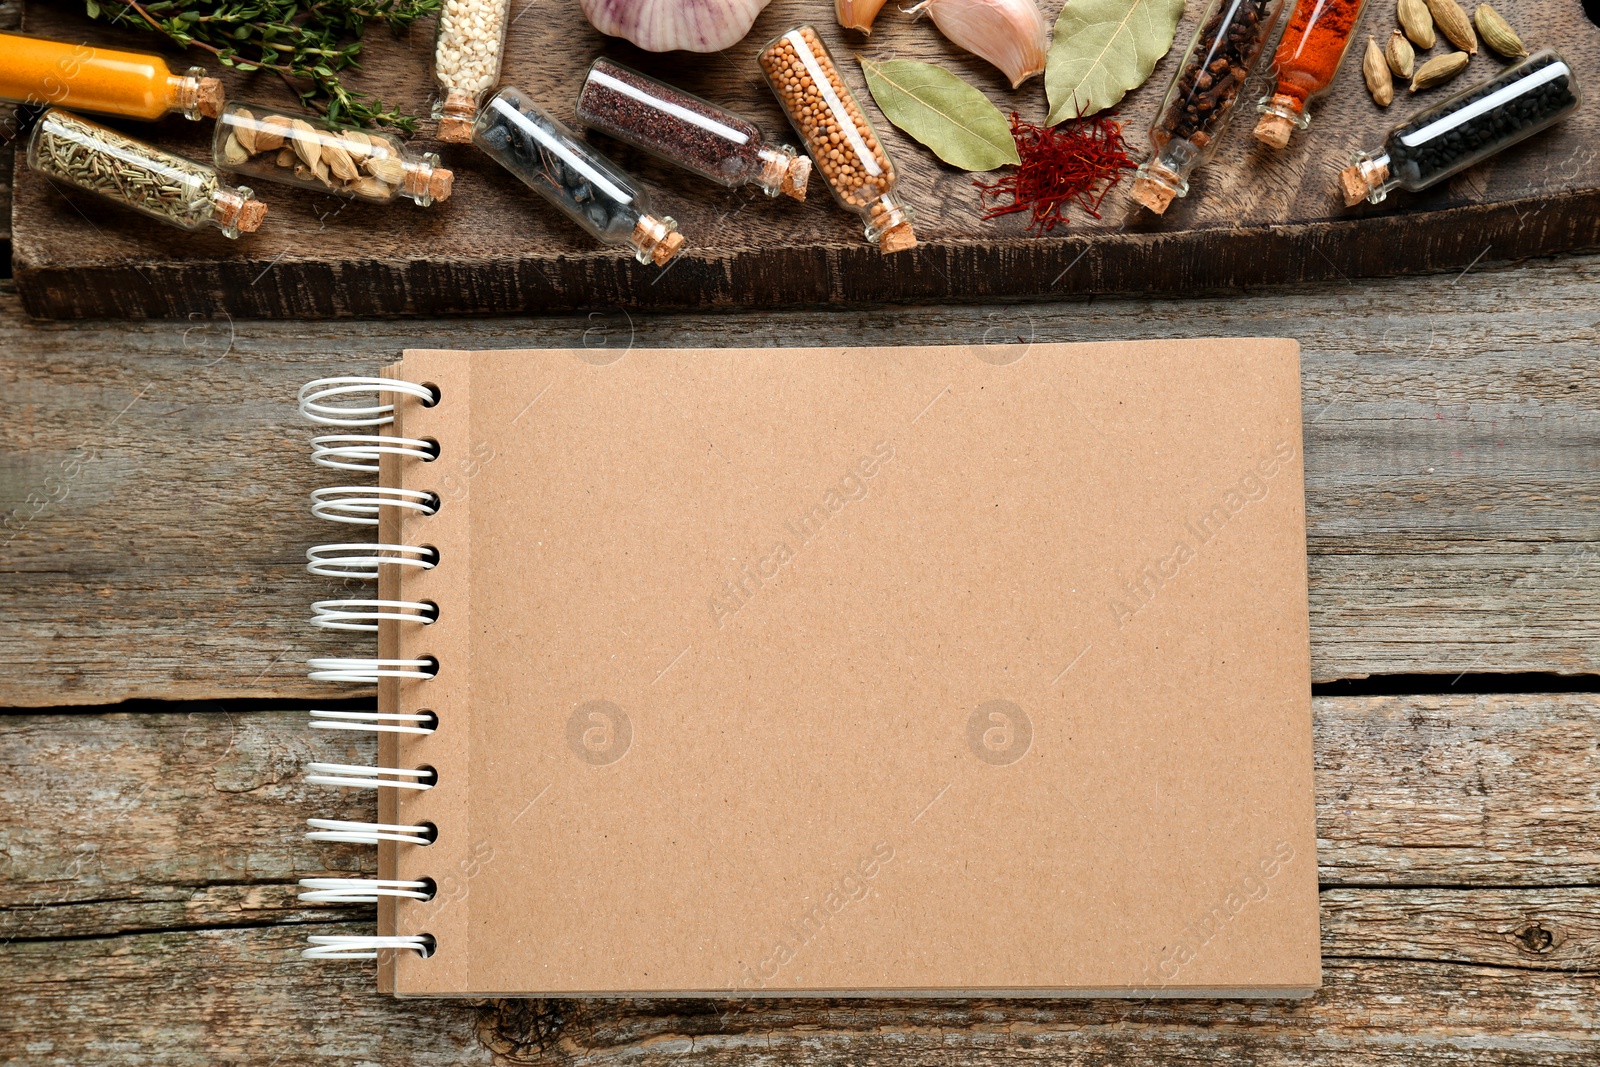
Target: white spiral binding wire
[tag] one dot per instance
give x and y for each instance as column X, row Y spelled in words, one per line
column 360, row 403
column 366, row 614
column 361, row 947
column 362, row 559
column 361, row 890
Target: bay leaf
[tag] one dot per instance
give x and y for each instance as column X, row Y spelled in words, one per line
column 1103, row 48
column 943, row 112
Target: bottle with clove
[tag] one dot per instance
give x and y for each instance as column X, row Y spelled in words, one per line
column 1466, row 129
column 1315, row 42
column 681, row 128
column 106, row 81
column 588, row 188
column 836, row 132
column 312, row 153
column 1204, row 90
column 175, row 190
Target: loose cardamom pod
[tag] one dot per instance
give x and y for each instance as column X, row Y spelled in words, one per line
column 1417, row 22
column 1452, row 20
column 1376, row 69
column 1497, row 32
column 1402, row 58
column 1439, row 70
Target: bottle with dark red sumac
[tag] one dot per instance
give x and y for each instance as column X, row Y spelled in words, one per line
column 1469, row 127
column 1202, row 95
column 685, row 130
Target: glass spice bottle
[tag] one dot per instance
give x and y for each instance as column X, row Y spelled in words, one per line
column 175, row 190
column 837, row 134
column 466, row 61
column 1314, row 44
column 1202, row 95
column 1472, row 125
column 591, row 190
column 681, row 128
column 106, row 81
column 312, row 153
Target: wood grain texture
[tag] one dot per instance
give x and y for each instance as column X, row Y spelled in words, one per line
column 1253, row 218
column 1449, row 452
column 122, row 823
column 148, row 863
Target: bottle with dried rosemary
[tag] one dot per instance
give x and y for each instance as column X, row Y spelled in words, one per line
column 681, row 128
column 312, row 153
column 466, row 61
column 1469, row 127
column 178, row 191
column 591, row 190
column 1205, row 87
column 107, row 81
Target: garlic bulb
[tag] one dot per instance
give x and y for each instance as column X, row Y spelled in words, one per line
column 1011, row 34
column 670, row 25
column 857, row 14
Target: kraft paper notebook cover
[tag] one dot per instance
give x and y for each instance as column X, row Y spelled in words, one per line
column 866, row 671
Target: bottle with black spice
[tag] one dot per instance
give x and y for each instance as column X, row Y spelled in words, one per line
column 1202, row 95
column 681, row 128
column 1474, row 124
column 591, row 190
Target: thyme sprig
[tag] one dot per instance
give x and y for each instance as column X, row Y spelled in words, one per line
column 307, row 43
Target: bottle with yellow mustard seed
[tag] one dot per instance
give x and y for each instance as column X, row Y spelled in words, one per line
column 175, row 190
column 848, row 154
column 106, row 81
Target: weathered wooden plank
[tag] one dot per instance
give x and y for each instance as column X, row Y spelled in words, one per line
column 243, row 996
column 153, row 477
column 1255, row 217
column 121, row 822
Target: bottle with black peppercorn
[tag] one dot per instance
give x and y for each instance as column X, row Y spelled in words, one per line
column 1204, row 90
column 1474, row 124
column 591, row 190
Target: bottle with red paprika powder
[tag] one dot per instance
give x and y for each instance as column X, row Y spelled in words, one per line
column 1314, row 44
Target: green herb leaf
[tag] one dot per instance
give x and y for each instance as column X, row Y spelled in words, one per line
column 1103, row 48
column 943, row 112
column 92, row 8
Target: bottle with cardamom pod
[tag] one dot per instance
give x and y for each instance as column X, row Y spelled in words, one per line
column 1205, row 88
column 1314, row 44
column 106, row 81
column 308, row 151
column 839, row 136
column 1471, row 126
column 687, row 131
column 467, row 50
column 175, row 190
column 589, row 189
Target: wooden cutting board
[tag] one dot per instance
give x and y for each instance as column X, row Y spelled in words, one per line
column 1253, row 217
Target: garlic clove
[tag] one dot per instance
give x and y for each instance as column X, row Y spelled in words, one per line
column 857, row 14
column 1011, row 34
column 672, row 25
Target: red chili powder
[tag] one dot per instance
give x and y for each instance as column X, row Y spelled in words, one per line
column 1077, row 162
column 1313, row 44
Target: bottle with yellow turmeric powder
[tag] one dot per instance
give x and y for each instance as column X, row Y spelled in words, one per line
column 106, row 81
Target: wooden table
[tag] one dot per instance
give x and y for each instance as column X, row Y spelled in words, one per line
column 155, row 477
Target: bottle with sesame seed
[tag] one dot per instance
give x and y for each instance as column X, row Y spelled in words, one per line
column 846, row 149
column 466, row 61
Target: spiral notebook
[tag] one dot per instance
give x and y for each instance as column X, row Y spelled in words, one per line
column 937, row 670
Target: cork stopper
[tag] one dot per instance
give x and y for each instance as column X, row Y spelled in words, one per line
column 425, row 183
column 1153, row 194
column 898, row 238
column 670, row 246
column 656, row 240
column 796, row 177
column 1356, row 184
column 456, row 116
column 237, row 210
column 211, row 97
column 1273, row 130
